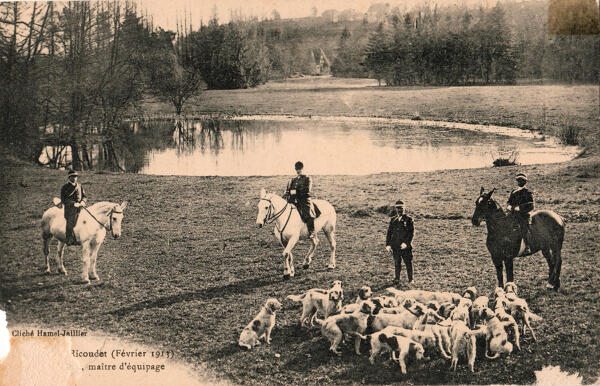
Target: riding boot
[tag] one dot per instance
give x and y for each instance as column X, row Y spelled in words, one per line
column 310, row 224
column 528, row 248
column 70, row 237
column 526, row 240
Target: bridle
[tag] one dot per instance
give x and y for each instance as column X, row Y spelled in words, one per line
column 495, row 211
column 110, row 227
column 270, row 218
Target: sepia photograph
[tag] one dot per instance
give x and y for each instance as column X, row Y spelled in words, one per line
column 278, row 192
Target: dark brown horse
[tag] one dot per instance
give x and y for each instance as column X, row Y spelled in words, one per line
column 504, row 238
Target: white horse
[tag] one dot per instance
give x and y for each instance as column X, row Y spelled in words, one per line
column 289, row 228
column 90, row 230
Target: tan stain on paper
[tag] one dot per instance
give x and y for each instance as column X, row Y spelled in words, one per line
column 39, row 361
column 573, row 17
column 49, row 360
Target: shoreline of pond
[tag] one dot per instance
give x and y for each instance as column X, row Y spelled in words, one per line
column 548, row 141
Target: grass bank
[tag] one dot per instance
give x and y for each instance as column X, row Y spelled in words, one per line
column 191, row 268
column 558, row 110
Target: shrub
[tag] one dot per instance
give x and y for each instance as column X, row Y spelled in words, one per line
column 504, row 162
column 510, row 160
column 569, row 134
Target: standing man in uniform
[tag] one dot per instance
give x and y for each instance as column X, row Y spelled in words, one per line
column 73, row 198
column 520, row 203
column 299, row 192
column 398, row 241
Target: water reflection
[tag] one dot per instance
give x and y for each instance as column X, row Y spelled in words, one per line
column 270, row 147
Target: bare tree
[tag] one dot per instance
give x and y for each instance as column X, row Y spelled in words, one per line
column 22, row 33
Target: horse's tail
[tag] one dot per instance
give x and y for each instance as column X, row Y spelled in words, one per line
column 296, row 298
column 46, row 233
column 45, row 224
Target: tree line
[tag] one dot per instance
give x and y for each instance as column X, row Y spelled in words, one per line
column 459, row 46
column 71, row 73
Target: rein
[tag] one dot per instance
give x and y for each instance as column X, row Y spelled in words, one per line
column 98, row 221
column 498, row 212
column 269, row 219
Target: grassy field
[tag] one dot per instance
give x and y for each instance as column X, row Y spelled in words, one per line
column 192, row 268
column 545, row 108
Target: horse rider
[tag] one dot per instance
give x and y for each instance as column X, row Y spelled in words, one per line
column 299, row 192
column 520, row 203
column 73, row 198
column 398, row 240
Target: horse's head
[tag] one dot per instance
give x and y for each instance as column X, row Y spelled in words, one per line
column 115, row 218
column 264, row 206
column 484, row 205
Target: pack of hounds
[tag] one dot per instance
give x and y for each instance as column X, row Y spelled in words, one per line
column 414, row 322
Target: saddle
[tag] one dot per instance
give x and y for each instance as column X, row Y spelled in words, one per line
column 314, row 210
column 516, row 233
column 516, row 225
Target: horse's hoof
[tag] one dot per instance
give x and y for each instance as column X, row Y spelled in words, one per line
column 95, row 278
column 63, row 273
column 286, row 277
column 330, row 268
column 549, row 286
column 47, row 272
column 305, row 266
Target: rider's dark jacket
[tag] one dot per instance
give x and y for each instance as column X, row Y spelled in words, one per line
column 401, row 230
column 302, row 184
column 523, row 198
column 69, row 195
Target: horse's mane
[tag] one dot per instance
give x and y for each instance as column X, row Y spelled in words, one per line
column 498, row 209
column 102, row 207
column 272, row 195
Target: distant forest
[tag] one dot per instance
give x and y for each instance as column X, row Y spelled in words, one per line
column 441, row 45
column 71, row 73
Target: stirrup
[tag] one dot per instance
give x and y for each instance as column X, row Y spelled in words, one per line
column 73, row 241
column 527, row 249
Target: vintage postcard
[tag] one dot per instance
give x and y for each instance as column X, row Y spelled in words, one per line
column 299, row 192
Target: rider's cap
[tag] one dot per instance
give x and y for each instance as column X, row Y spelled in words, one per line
column 73, row 173
column 299, row 165
column 399, row 203
column 521, row 176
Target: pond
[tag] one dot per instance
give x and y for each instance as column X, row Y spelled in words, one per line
column 270, row 145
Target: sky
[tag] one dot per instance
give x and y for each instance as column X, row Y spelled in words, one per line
column 165, row 13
